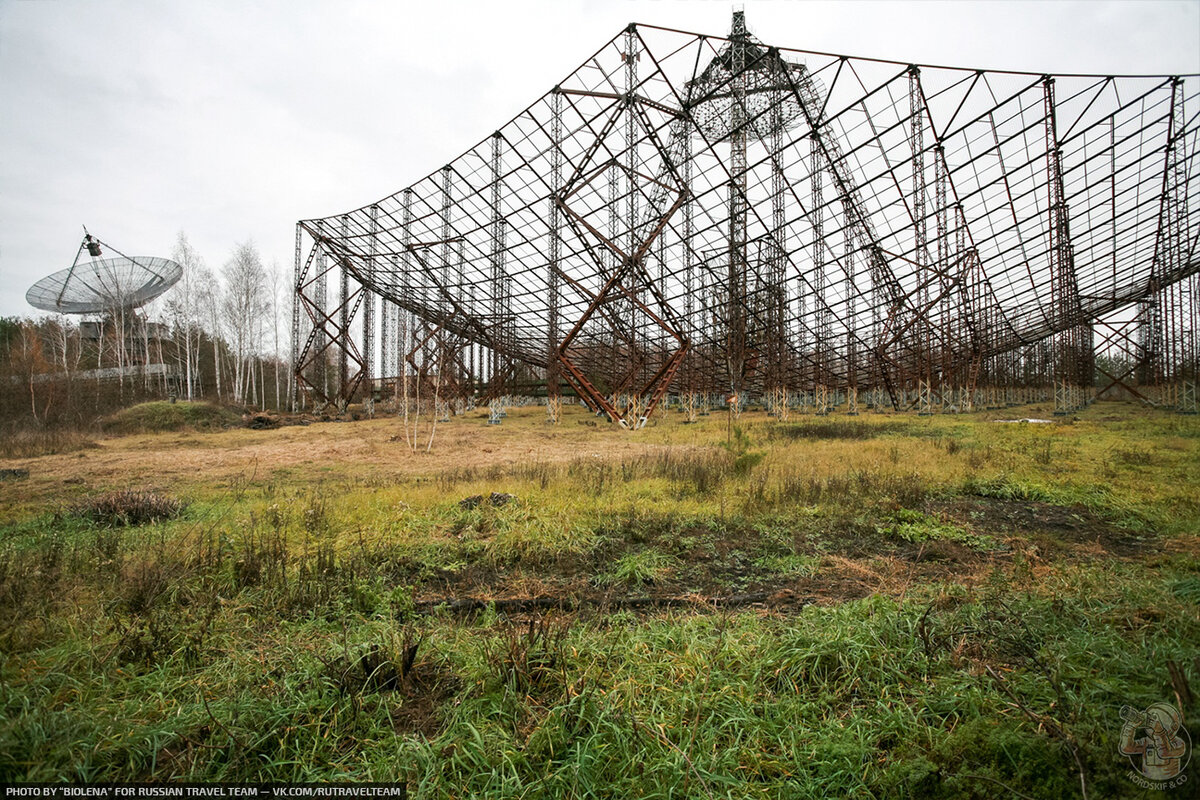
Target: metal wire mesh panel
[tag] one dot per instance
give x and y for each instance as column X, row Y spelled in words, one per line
column 715, row 214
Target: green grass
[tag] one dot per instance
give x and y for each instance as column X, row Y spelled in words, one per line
column 918, row 528
column 281, row 628
column 638, row 568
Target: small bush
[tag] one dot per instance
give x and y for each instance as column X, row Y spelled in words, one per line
column 162, row 416
column 744, row 459
column 127, row 508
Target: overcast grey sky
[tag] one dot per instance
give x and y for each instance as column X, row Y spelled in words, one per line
column 232, row 120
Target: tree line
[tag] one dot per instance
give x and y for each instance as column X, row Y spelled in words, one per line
column 218, row 335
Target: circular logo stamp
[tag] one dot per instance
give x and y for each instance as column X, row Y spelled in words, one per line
column 1157, row 744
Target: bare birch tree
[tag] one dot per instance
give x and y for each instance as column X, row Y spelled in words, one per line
column 183, row 309
column 278, row 285
column 208, row 301
column 244, row 304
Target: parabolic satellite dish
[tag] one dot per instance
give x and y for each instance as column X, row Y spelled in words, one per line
column 104, row 284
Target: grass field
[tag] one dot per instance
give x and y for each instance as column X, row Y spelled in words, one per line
column 878, row 606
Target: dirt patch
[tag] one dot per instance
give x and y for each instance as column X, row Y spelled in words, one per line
column 711, row 565
column 702, row 566
column 833, row 587
column 838, row 579
column 1069, row 530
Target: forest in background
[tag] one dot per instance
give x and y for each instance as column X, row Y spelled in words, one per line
column 219, row 336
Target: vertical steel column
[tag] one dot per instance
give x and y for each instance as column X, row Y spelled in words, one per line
column 946, row 320
column 321, row 301
column 851, row 311
column 823, row 331
column 777, row 377
column 343, row 343
column 297, row 288
column 972, row 308
column 1174, row 299
column 438, row 348
column 389, row 325
column 406, row 333
column 475, row 353
column 497, row 281
column 689, row 258
column 458, row 371
column 555, row 265
column 368, row 319
column 631, row 56
column 921, row 329
column 617, row 317
column 1073, row 367
column 735, row 301
column 1149, row 333
column 1112, row 186
column 447, row 249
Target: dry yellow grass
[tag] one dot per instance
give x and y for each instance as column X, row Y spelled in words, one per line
column 363, row 448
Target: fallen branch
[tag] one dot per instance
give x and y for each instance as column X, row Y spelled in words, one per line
column 1050, row 724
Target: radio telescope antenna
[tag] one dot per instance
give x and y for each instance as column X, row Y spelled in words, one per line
column 100, row 284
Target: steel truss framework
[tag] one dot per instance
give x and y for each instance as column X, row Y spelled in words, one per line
column 732, row 222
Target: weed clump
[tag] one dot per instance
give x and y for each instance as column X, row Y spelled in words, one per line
column 528, row 659
column 639, row 569
column 127, row 508
column 1187, row 589
column 918, row 528
column 383, row 666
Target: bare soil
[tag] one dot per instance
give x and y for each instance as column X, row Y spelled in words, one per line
column 1065, row 530
column 849, row 569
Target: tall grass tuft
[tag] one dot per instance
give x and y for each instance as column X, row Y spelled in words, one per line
column 127, row 507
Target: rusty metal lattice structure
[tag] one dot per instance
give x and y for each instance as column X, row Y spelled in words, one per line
column 719, row 221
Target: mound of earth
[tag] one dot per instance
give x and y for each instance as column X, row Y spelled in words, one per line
column 163, row 416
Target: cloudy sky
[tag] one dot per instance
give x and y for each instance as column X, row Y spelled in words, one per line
column 231, row 120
